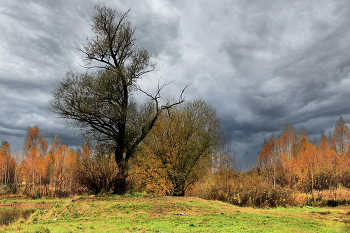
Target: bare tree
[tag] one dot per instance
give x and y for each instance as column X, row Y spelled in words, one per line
column 100, row 103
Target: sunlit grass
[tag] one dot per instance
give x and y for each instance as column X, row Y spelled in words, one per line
column 161, row 214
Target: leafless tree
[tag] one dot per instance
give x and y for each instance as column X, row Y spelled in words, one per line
column 99, row 103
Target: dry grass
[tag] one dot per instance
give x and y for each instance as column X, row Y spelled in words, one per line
column 332, row 197
column 245, row 189
column 300, row 199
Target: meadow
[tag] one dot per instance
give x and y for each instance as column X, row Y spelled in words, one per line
column 141, row 213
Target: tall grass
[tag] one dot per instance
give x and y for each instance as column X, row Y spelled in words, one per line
column 332, row 197
column 252, row 189
column 243, row 189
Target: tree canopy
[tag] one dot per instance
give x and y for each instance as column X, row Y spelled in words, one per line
column 179, row 150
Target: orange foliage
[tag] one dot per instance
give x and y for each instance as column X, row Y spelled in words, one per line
column 292, row 160
column 178, row 151
column 34, row 153
column 41, row 172
column 7, row 164
column 288, row 161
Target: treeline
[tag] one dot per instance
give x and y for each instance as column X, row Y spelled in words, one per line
column 292, row 160
column 290, row 170
column 39, row 171
column 184, row 154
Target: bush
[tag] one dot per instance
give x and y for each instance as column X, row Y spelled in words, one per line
column 96, row 171
column 244, row 189
column 99, row 175
column 331, row 197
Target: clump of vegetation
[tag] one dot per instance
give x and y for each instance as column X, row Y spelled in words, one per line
column 243, row 189
column 177, row 152
column 95, row 171
column 332, row 197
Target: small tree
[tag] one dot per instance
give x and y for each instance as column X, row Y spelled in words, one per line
column 7, row 164
column 178, row 151
column 35, row 148
column 341, row 137
column 100, row 103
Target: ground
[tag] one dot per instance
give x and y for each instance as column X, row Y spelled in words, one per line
column 174, row 214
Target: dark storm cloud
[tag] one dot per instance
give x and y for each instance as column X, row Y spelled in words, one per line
column 36, row 52
column 293, row 62
column 158, row 32
column 260, row 64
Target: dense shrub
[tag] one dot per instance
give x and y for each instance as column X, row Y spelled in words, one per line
column 331, row 197
column 244, row 189
column 98, row 173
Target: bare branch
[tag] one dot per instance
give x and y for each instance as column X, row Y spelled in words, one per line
column 183, row 90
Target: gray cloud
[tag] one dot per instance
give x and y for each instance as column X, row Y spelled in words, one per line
column 259, row 64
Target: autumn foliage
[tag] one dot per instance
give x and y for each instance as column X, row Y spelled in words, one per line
column 291, row 170
column 43, row 171
column 181, row 156
column 178, row 151
column 292, row 160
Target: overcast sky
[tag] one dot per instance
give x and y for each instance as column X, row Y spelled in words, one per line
column 260, row 63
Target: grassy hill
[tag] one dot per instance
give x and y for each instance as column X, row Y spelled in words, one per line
column 161, row 214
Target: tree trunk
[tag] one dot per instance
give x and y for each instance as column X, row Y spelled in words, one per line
column 274, row 176
column 312, row 179
column 121, row 184
column 179, row 192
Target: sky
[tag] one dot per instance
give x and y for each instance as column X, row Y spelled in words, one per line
column 260, row 64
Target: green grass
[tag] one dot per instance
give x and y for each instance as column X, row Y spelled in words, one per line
column 160, row 214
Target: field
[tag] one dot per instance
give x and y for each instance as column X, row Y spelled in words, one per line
column 163, row 214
